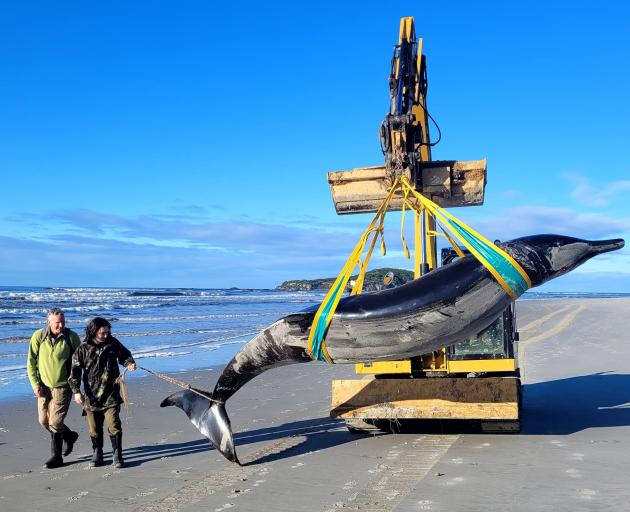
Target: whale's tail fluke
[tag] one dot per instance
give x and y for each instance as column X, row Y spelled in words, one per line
column 209, row 417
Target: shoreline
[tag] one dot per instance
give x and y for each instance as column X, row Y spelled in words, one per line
column 222, row 355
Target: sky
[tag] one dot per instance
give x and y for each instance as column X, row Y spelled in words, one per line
column 186, row 144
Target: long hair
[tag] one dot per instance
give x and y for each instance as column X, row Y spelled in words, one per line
column 93, row 326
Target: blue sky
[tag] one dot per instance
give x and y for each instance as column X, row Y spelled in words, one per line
column 187, row 143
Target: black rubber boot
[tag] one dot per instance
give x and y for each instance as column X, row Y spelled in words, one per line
column 97, row 455
column 117, row 461
column 69, row 438
column 56, row 444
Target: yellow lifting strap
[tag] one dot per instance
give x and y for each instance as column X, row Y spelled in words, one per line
column 453, row 243
column 505, row 269
column 509, row 274
column 323, row 316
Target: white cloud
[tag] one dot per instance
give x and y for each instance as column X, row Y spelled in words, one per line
column 233, row 235
column 83, row 261
column 531, row 219
column 84, row 247
column 586, row 193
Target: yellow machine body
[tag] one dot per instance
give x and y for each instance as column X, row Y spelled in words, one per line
column 446, row 366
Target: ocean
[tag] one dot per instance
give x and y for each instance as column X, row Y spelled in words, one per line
column 167, row 329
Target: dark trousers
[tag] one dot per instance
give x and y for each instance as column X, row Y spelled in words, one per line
column 110, row 416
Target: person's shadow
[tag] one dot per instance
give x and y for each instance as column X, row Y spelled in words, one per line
column 566, row 406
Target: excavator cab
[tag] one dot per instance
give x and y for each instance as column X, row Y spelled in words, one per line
column 492, row 350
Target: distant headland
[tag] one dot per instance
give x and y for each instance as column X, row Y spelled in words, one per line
column 373, row 281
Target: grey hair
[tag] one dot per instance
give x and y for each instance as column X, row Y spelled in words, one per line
column 55, row 312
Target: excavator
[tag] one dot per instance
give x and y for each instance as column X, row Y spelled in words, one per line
column 475, row 383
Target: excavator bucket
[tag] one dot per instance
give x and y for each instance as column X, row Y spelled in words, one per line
column 447, row 183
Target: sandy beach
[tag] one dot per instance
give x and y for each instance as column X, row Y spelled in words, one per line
column 573, row 452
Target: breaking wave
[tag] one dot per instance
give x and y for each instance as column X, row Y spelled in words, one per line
column 171, row 329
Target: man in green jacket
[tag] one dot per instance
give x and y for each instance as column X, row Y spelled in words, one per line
column 48, row 367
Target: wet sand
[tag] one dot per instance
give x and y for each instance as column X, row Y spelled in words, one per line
column 573, row 453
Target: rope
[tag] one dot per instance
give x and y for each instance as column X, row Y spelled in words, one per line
column 167, row 378
column 181, row 384
column 122, row 384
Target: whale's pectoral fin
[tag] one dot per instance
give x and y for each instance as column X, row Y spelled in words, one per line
column 209, row 417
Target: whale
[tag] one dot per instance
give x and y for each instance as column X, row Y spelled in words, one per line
column 436, row 310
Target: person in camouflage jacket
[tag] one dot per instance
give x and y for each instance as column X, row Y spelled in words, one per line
column 95, row 364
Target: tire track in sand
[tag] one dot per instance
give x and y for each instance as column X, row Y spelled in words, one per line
column 561, row 325
column 405, row 467
column 229, row 476
column 534, row 324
